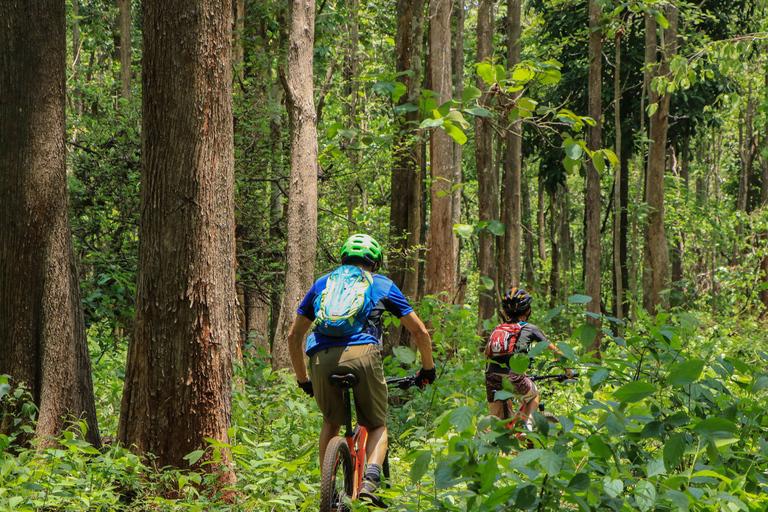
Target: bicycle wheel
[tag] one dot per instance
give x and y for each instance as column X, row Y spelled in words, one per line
column 337, row 476
column 385, row 472
column 551, row 417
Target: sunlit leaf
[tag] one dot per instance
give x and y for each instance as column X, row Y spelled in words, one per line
column 685, row 373
column 634, row 391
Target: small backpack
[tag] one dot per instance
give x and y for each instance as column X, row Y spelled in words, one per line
column 343, row 307
column 503, row 340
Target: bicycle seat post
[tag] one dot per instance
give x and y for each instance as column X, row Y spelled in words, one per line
column 347, row 411
column 345, row 382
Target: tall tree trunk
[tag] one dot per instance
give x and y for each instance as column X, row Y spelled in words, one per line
column 618, row 283
column 124, row 15
column 764, row 203
column 301, row 222
column 238, row 46
column 458, row 90
column 43, row 341
column 441, row 260
column 530, row 276
column 511, row 199
column 592, row 275
column 178, row 379
column 405, row 217
column 487, row 175
column 351, row 70
column 656, row 272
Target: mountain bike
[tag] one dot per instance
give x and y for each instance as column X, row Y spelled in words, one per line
column 520, row 415
column 344, row 463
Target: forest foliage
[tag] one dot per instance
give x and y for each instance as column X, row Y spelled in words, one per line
column 672, row 418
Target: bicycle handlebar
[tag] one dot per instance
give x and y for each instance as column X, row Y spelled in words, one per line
column 402, row 382
column 559, row 377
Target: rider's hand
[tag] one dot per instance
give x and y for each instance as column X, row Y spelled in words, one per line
column 425, row 377
column 568, row 372
column 306, row 387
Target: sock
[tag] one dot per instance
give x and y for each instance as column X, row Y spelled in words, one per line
column 373, row 473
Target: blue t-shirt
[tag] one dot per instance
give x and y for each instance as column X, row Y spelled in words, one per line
column 386, row 297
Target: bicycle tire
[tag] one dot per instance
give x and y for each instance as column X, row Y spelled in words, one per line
column 337, row 476
column 385, row 471
column 551, row 417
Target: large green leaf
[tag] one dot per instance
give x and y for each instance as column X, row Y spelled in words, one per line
column 579, row 299
column 674, row 449
column 487, row 73
column 598, row 378
column 685, row 373
column 588, row 334
column 462, row 417
column 526, row 496
column 470, row 93
column 456, row 133
column 496, row 227
column 551, row 462
column 715, row 425
column 404, row 354
column 634, row 391
column 579, row 483
column 420, row 466
column 500, row 496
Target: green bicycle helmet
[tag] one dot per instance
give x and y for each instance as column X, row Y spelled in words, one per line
column 362, row 247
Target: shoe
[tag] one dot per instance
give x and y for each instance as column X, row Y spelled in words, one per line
column 368, row 492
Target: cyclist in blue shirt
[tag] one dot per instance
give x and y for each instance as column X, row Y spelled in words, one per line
column 357, row 353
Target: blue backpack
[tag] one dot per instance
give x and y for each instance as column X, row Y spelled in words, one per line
column 343, row 307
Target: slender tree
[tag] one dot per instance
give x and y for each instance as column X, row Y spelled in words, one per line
column 124, row 54
column 441, row 260
column 42, row 341
column 618, row 179
column 178, row 379
column 301, row 222
column 511, row 196
column 656, row 271
column 592, row 275
column 487, row 177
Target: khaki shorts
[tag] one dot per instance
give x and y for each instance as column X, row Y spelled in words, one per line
column 369, row 395
column 522, row 384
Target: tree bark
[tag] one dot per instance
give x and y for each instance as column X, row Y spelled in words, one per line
column 618, row 282
column 764, row 203
column 43, row 342
column 238, row 46
column 124, row 10
column 656, row 272
column 530, row 271
column 511, row 196
column 301, row 222
column 458, row 90
column 178, row 382
column 592, row 199
column 441, row 261
column 487, row 175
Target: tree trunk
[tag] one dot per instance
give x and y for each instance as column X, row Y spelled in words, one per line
column 124, row 10
column 530, row 275
column 238, row 46
column 592, row 275
column 487, row 175
column 302, row 195
column 257, row 320
column 510, row 198
column 178, row 379
column 405, row 217
column 656, row 272
column 441, row 261
column 618, row 283
column 43, row 341
column 458, row 90
column 764, row 203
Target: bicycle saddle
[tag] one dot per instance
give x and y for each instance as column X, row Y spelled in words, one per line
column 344, row 381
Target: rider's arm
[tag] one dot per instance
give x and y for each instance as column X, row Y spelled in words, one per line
column 299, row 328
column 418, row 330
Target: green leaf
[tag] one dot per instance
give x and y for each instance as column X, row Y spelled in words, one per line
column 538, row 349
column 588, row 334
column 526, row 104
column 500, row 496
column 634, row 391
column 194, row 456
column 420, row 466
column 674, row 449
column 661, row 20
column 579, row 483
column 598, row 447
column 470, row 93
column 398, row 92
column 678, row 499
column 645, row 495
column 542, row 425
column 445, row 108
column 526, row 496
column 571, row 166
column 431, row 123
column 456, row 117
column 553, row 313
column 760, row 384
column 496, row 227
column 598, row 161
column 597, row 378
column 652, row 108
column 455, row 132
column 486, row 282
column 487, row 73
column 574, row 151
column 463, row 230
column 478, row 111
column 519, row 363
column 716, row 425
column 613, row 486
column 461, row 418
column 652, row 429
column 579, row 299
column 405, row 355
column 522, row 75
column 685, row 373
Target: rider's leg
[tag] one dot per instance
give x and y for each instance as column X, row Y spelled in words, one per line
column 327, row 432
column 376, row 449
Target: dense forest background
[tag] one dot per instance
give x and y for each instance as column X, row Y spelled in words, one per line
column 185, row 169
